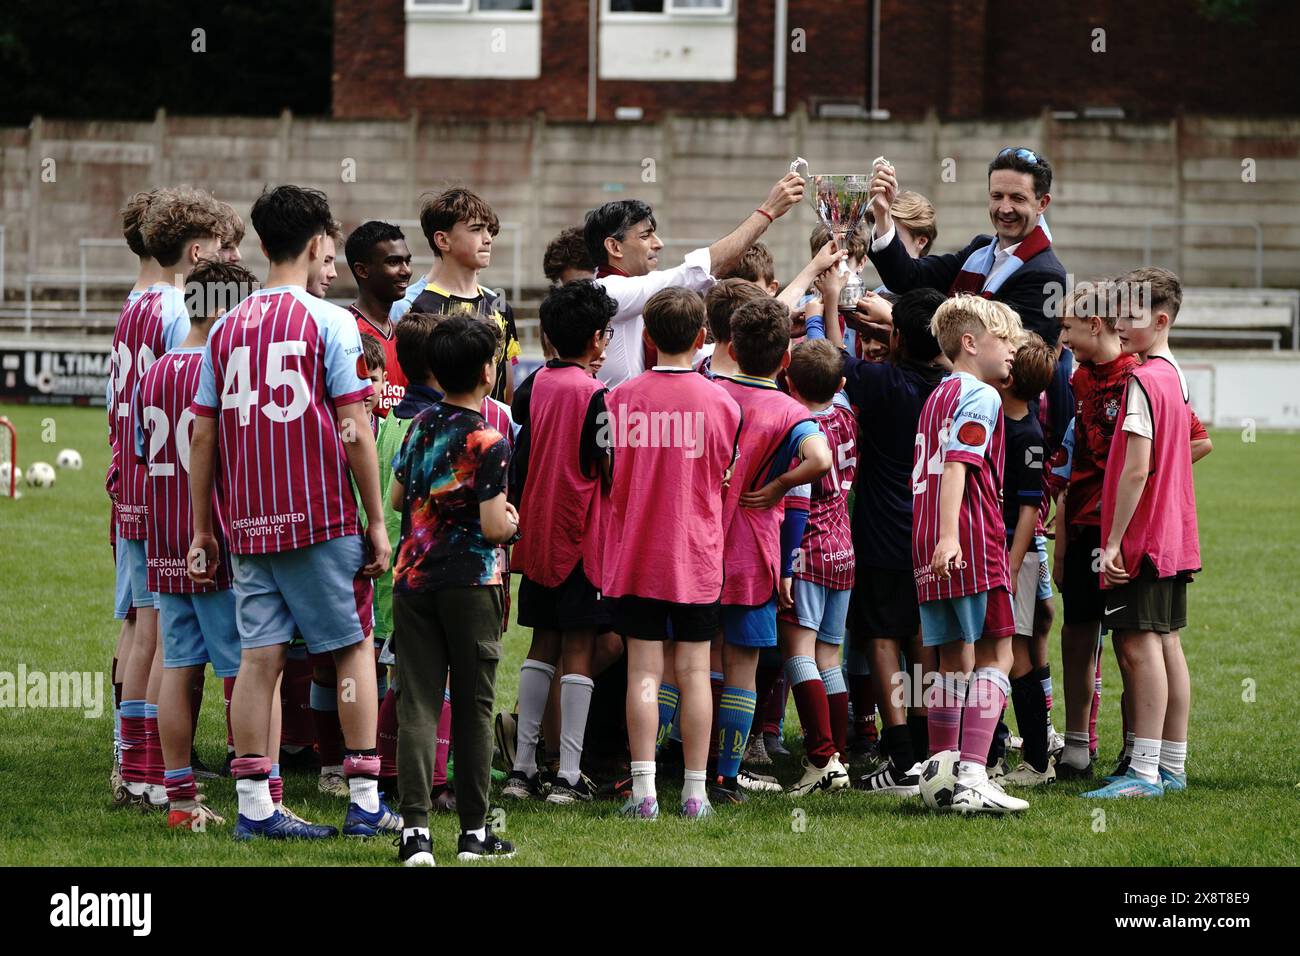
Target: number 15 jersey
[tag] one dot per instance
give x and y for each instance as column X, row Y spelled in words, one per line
column 960, row 421
column 275, row 368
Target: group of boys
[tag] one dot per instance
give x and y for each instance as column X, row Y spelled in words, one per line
column 690, row 522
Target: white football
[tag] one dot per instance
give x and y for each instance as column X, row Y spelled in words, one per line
column 939, row 778
column 69, row 458
column 40, row 474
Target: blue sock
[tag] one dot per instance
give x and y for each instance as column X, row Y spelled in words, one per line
column 151, row 710
column 668, row 698
column 735, row 717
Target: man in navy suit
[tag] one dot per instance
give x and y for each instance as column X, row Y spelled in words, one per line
column 1016, row 266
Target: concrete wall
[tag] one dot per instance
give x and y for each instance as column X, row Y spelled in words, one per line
column 61, row 181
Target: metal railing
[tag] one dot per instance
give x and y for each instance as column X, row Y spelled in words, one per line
column 82, row 246
column 1150, row 228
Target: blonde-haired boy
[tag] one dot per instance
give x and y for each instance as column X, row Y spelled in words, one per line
column 959, row 554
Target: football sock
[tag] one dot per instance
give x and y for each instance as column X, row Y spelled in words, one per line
column 1096, row 705
column 944, row 720
column 386, row 737
column 1076, row 749
column 810, row 699
column 837, row 700
column 480, row 834
column 693, row 786
column 1173, row 756
column 897, row 744
column 252, row 773
column 715, row 688
column 275, row 785
column 676, row 732
column 443, row 752
column 575, row 702
column 643, row 779
column 1128, row 745
column 773, row 711
column 117, row 714
column 972, row 773
column 534, row 687
column 984, row 704
column 132, row 741
column 180, row 784
column 1146, row 759
column 863, row 695
column 1044, row 677
column 918, row 728
column 735, row 716
column 298, row 723
column 361, row 769
column 152, row 747
column 325, row 715
column 1031, row 717
column 228, row 690
column 669, row 696
column 998, row 746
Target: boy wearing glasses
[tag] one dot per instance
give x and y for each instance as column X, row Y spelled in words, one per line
column 563, row 468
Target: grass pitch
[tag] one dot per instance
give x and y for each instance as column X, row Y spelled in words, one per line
column 56, row 580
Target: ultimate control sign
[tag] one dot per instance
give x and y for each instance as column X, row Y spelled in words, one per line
column 53, row 373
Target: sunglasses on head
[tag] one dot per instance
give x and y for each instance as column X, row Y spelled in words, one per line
column 1020, row 152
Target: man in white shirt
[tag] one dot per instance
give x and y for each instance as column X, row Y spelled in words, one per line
column 623, row 244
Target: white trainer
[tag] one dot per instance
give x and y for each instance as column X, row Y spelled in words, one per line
column 757, row 782
column 985, row 798
column 333, row 782
column 1026, row 776
column 831, row 777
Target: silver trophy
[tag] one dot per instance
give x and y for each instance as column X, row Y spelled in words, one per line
column 841, row 201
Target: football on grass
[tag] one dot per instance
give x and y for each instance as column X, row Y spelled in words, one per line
column 69, row 458
column 40, row 474
column 938, row 778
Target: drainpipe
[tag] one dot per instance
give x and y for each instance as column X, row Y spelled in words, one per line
column 593, row 8
column 779, row 41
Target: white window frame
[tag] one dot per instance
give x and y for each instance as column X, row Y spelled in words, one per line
column 469, row 10
column 671, row 12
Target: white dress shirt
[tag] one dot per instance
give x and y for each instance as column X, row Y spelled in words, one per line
column 624, row 355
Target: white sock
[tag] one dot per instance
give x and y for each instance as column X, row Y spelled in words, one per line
column 534, row 688
column 254, row 798
column 575, row 701
column 1128, row 744
column 408, row 832
column 1145, row 762
column 971, row 773
column 480, row 834
column 693, row 787
column 643, row 779
column 1173, row 756
column 364, row 792
column 1076, row 749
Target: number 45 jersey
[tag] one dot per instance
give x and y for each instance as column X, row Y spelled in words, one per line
column 161, row 422
column 960, row 421
column 274, row 370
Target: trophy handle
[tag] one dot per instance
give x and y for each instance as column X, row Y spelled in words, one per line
column 800, row 161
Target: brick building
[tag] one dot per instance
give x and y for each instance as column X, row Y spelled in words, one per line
column 486, row 59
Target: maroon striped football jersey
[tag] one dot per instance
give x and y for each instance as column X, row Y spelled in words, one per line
column 961, row 421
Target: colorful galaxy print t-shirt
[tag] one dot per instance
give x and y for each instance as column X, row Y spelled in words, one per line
column 450, row 461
